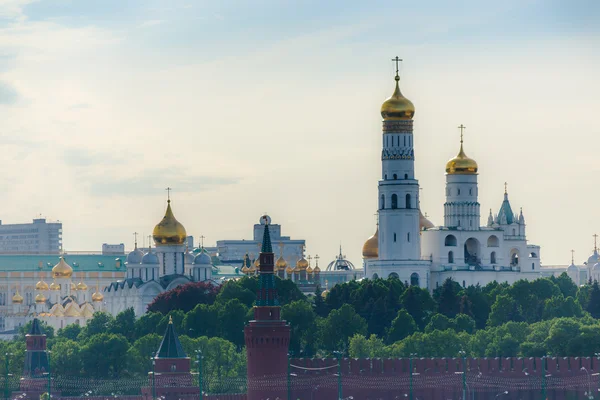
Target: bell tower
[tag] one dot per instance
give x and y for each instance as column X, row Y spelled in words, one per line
column 267, row 336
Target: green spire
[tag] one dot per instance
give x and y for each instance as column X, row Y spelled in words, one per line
column 35, row 328
column 266, row 242
column 170, row 347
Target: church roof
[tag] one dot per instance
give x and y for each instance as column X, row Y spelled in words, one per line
column 506, row 210
column 266, row 242
column 170, row 347
column 79, row 262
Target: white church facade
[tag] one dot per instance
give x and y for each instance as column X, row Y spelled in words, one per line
column 408, row 246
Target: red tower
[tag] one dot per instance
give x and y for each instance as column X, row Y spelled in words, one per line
column 35, row 372
column 267, row 336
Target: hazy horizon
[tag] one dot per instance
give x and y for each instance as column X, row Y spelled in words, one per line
column 247, row 107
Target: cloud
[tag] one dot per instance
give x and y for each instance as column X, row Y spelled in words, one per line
column 8, row 94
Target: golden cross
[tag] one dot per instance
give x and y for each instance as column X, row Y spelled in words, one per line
column 168, row 189
column 135, row 238
column 572, row 256
column 397, row 60
column 309, row 258
column 462, row 128
column 202, row 237
column 317, row 260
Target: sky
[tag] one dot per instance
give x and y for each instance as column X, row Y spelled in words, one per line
column 245, row 107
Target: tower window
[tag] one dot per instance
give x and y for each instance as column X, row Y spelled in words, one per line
column 385, row 177
column 408, row 237
column 532, row 266
column 395, row 176
column 394, row 201
column 470, row 191
column 464, row 285
column 394, row 237
column 451, row 257
column 458, row 192
column 405, row 176
column 404, row 141
column 408, row 202
column 382, row 205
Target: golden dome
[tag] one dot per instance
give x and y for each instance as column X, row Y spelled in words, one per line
column 82, row 286
column 17, row 298
column 257, row 263
column 397, row 107
column 87, row 313
column 62, row 269
column 302, row 264
column 97, row 296
column 54, row 286
column 72, row 310
column 309, row 270
column 41, row 285
column 252, row 270
column 424, row 223
column 281, row 264
column 289, row 270
column 169, row 230
column 461, row 164
column 40, row 298
column 58, row 311
column 317, row 269
column 370, row 249
column 73, row 287
column 245, row 270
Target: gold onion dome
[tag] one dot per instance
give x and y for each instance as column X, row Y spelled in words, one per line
column 289, row 270
column 281, row 264
column 309, row 270
column 41, row 285
column 97, row 296
column 72, row 311
column 302, row 264
column 245, row 269
column 54, row 286
column 371, row 247
column 62, row 269
column 40, row 298
column 17, row 298
column 169, row 230
column 424, row 223
column 461, row 164
column 82, row 286
column 397, row 107
column 73, row 287
column 317, row 269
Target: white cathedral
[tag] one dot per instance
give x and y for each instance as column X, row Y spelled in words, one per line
column 408, row 246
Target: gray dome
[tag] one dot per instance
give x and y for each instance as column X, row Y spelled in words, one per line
column 135, row 257
column 203, row 259
column 572, row 268
column 188, row 257
column 596, row 267
column 593, row 259
column 150, row 258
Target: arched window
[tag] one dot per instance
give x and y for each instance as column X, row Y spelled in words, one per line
column 408, row 237
column 514, row 257
column 493, row 257
column 414, row 279
column 375, row 276
column 532, row 255
column 393, row 275
column 394, row 201
column 532, row 265
column 464, row 284
column 514, row 232
column 493, row 241
column 405, row 176
column 382, row 202
column 404, row 140
column 408, row 202
column 385, row 177
column 458, row 192
column 395, row 176
column 451, row 257
column 394, row 237
column 450, row 240
column 470, row 191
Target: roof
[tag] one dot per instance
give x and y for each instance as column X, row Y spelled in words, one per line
column 170, row 347
column 35, row 328
column 507, row 210
column 266, row 242
column 79, row 262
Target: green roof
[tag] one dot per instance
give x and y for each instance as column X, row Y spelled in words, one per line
column 79, row 262
column 170, row 347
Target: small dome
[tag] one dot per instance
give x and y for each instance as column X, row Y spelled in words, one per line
column 265, row 220
column 203, row 259
column 593, row 259
column 40, row 298
column 245, row 270
column 572, row 268
column 461, row 164
column 169, row 231
column 302, row 264
column 370, row 249
column 41, row 285
column 150, row 258
column 289, row 270
column 97, row 296
column 424, row 223
column 73, row 287
column 72, row 310
column 596, row 267
column 17, row 298
column 82, row 286
column 54, row 286
column 257, row 263
column 62, row 269
column 397, row 107
column 281, row 264
column 309, row 270
column 135, row 257
column 317, row 270
column 188, row 257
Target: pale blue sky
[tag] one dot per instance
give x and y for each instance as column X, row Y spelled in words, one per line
column 243, row 107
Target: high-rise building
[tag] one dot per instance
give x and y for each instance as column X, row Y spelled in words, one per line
column 39, row 237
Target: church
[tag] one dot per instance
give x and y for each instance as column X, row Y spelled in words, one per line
column 408, row 246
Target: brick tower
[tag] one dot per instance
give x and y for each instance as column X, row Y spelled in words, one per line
column 171, row 377
column 35, row 378
column 267, row 336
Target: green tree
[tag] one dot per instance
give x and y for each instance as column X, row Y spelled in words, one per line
column 69, row 332
column 448, row 298
column 124, row 324
column 361, row 347
column 463, row 323
column 593, row 306
column 321, row 308
column 232, row 290
column 301, row 317
column 402, row 326
column 418, row 303
column 438, row 322
column 562, row 331
column 232, row 317
column 203, row 320
column 567, row 287
column 147, row 323
column 25, row 329
column 504, row 309
column 479, row 305
column 99, row 323
column 339, row 326
column 66, row 358
column 105, row 355
column 558, row 306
